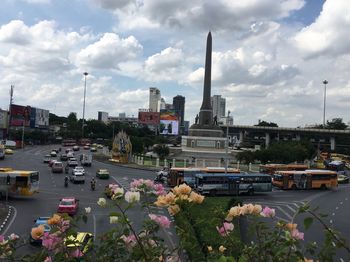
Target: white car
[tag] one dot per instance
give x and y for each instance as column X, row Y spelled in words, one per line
column 53, row 153
column 78, row 169
column 72, row 162
column 77, row 177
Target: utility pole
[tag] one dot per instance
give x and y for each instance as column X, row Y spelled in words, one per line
column 9, row 112
column 226, row 148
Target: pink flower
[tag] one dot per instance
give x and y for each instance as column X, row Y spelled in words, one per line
column 2, row 238
column 64, row 225
column 268, row 212
column 13, row 236
column 296, row 234
column 163, row 221
column 50, row 241
column 159, row 189
column 48, row 259
column 76, row 253
column 226, row 229
column 130, row 241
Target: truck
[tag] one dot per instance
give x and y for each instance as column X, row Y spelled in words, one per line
column 2, row 151
column 86, row 159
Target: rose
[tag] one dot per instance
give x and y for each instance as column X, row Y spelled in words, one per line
column 268, row 212
column 38, row 232
column 226, row 229
column 132, row 197
column 102, row 202
column 113, row 219
column 173, row 209
column 54, row 219
column 163, row 221
column 296, row 234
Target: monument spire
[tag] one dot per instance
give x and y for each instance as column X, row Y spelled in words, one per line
column 206, row 111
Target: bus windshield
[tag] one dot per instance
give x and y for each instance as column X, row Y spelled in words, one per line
column 18, row 182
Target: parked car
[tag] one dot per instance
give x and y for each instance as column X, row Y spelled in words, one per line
column 39, row 221
column 57, row 167
column 102, row 173
column 63, row 157
column 77, row 177
column 8, row 151
column 72, row 162
column 93, row 149
column 53, row 153
column 78, row 169
column 83, row 241
column 47, row 158
column 76, row 148
column 68, row 205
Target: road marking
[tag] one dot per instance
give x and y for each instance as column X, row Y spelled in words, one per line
column 341, row 260
column 346, row 198
column 341, row 203
column 94, row 219
column 336, row 208
column 12, row 220
column 331, row 221
column 284, row 212
column 333, row 243
column 292, row 209
column 333, row 214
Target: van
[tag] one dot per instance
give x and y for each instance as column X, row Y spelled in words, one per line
column 57, row 167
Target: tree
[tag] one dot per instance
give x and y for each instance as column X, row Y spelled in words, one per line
column 264, row 123
column 246, row 157
column 161, row 150
column 336, row 123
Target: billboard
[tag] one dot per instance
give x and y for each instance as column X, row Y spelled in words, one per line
column 148, row 118
column 41, row 118
column 169, row 122
column 3, row 119
column 20, row 114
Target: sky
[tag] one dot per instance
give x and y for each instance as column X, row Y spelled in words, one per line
column 270, row 57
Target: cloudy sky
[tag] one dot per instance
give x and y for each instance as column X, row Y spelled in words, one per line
column 270, row 57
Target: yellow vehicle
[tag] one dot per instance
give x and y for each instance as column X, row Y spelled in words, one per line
column 2, row 151
column 18, row 182
column 83, row 241
column 272, row 168
column 180, row 175
column 8, row 151
column 307, row 179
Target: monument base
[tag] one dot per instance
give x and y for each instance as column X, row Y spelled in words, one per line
column 203, row 142
column 205, row 131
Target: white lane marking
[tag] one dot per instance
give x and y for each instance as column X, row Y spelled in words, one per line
column 333, row 243
column 346, row 198
column 284, row 212
column 336, row 208
column 94, row 219
column 341, row 260
column 292, row 209
column 333, row 214
column 12, row 220
column 341, row 203
column 120, row 184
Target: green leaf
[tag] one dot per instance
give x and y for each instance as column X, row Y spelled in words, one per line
column 307, row 222
column 243, row 259
column 230, row 259
column 222, row 259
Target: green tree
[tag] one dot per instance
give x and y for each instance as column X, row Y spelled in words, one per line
column 264, row 123
column 161, row 150
column 336, row 123
column 246, row 157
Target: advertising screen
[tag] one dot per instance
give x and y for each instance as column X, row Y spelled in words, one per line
column 169, row 123
column 3, row 119
column 20, row 114
column 148, row 118
column 41, row 118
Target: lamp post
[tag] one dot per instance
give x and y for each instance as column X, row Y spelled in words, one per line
column 226, row 148
column 82, row 128
column 325, row 82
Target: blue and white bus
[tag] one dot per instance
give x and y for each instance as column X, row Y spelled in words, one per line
column 232, row 184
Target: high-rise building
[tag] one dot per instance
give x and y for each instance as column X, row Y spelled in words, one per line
column 154, row 99
column 162, row 104
column 102, row 116
column 219, row 106
column 179, row 107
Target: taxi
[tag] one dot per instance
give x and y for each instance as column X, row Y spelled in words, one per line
column 68, row 205
column 83, row 241
column 39, row 221
column 102, row 173
column 8, row 151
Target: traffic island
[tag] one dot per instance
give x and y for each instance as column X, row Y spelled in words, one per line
column 5, row 214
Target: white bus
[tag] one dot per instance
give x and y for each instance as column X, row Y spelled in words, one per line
column 232, row 184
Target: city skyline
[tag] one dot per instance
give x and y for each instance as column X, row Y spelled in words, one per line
column 269, row 64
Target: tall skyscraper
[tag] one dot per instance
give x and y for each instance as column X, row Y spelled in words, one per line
column 179, row 107
column 219, row 106
column 102, row 116
column 154, row 99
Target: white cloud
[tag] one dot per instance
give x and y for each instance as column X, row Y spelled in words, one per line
column 37, row 1
column 15, row 32
column 328, row 35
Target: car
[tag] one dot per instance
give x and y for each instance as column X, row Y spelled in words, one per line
column 93, row 149
column 102, row 173
column 68, row 205
column 70, row 154
column 72, row 162
column 37, row 222
column 57, row 167
column 53, row 153
column 63, row 157
column 68, row 150
column 76, row 148
column 77, row 176
column 99, row 146
column 86, row 147
column 78, row 169
column 83, row 241
column 51, row 162
column 8, row 151
column 343, row 179
column 47, row 158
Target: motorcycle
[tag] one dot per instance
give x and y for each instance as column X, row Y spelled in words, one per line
column 159, row 179
column 66, row 183
column 93, row 185
column 66, row 169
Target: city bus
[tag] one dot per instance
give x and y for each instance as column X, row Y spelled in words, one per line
column 18, row 182
column 307, row 179
column 272, row 168
column 179, row 175
column 69, row 142
column 232, row 184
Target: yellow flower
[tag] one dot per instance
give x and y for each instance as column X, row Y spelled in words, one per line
column 233, row 212
column 173, row 210
column 182, row 189
column 306, row 260
column 38, row 232
column 257, row 209
column 196, row 198
column 54, row 219
column 170, row 198
column 290, row 227
column 210, row 249
column 222, row 249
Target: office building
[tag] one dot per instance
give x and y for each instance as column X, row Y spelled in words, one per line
column 154, row 99
column 179, row 107
column 102, row 116
column 219, row 106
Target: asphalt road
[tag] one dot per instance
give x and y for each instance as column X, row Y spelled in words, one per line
column 332, row 202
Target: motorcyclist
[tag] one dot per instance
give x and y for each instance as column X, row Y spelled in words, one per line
column 93, row 183
column 66, row 181
column 66, row 169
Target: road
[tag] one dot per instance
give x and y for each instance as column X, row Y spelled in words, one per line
column 332, row 202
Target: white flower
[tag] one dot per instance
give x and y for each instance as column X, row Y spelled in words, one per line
column 102, row 202
column 13, row 236
column 87, row 210
column 132, row 197
column 113, row 219
column 117, row 192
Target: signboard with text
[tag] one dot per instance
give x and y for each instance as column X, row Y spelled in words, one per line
column 20, row 115
column 169, row 123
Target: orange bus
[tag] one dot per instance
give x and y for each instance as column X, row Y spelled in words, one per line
column 307, row 179
column 179, row 175
column 272, row 168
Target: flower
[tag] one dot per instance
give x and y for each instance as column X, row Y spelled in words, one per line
column 2, row 238
column 210, row 249
column 268, row 212
column 226, row 229
column 297, row 235
column 132, row 197
column 38, row 232
column 222, row 249
column 257, row 209
column 233, row 212
column 48, row 259
column 173, row 210
column 54, row 219
column 63, row 225
column 196, row 198
column 87, row 210
column 117, row 192
column 290, row 227
column 50, row 241
column 163, row 221
column 76, row 253
column 182, row 189
column 102, row 202
column 113, row 219
column 13, row 236
column 130, row 241
column 159, row 189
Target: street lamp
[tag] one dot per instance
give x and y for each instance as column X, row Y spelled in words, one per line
column 325, row 82
column 226, row 149
column 82, row 128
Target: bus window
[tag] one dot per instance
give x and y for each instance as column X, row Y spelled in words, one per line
column 21, row 181
column 34, row 177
